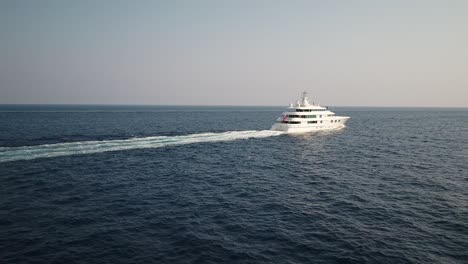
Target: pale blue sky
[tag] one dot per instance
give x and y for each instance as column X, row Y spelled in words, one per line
column 353, row 53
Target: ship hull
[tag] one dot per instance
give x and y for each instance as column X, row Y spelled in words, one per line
column 305, row 128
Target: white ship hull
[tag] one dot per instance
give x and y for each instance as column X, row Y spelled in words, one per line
column 304, row 128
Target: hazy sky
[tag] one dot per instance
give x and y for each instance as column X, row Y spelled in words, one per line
column 353, row 53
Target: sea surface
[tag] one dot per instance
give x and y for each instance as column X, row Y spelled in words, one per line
column 186, row 184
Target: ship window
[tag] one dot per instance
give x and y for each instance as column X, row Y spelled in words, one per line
column 302, row 116
column 290, row 122
column 312, row 122
column 321, row 121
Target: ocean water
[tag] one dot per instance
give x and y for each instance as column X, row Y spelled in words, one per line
column 147, row 184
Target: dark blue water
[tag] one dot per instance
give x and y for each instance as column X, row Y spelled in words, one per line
column 209, row 185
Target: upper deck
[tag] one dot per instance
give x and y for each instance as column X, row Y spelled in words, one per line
column 304, row 105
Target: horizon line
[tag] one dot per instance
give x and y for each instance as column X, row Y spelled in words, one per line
column 211, row 105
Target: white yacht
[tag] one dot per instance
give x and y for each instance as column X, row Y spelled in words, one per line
column 305, row 117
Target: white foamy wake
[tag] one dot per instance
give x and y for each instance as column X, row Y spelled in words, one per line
column 87, row 147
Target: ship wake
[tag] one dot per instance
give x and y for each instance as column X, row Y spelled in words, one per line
column 88, row 147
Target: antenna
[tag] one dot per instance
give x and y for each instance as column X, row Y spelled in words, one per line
column 305, row 100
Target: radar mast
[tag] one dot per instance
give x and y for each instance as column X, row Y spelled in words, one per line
column 305, row 99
